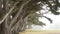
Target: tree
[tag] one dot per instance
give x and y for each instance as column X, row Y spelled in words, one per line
column 16, row 12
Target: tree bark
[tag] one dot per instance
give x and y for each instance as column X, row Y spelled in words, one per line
column 0, row 9
column 15, row 25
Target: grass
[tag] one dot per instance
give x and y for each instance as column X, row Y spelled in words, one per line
column 28, row 31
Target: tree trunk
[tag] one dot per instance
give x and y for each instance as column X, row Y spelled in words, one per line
column 0, row 9
column 16, row 24
column 19, row 27
column 4, row 25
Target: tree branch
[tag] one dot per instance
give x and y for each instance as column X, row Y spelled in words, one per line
column 8, row 13
column 19, row 12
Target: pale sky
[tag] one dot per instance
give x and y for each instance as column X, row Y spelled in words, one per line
column 49, row 26
column 55, row 24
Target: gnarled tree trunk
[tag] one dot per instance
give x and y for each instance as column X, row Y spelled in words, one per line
column 15, row 24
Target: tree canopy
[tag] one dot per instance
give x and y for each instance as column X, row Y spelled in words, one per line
column 15, row 13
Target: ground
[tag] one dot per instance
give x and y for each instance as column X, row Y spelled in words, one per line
column 40, row 32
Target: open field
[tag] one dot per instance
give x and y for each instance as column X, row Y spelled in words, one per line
column 41, row 32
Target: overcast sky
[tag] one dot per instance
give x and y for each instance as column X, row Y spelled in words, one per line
column 55, row 24
column 49, row 26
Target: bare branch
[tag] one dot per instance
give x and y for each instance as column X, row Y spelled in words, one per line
column 8, row 13
column 20, row 10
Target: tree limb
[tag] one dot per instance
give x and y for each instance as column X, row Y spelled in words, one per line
column 20, row 10
column 8, row 13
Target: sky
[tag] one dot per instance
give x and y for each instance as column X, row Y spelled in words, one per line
column 49, row 26
column 55, row 24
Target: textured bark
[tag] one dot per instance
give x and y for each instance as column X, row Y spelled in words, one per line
column 17, row 23
column 0, row 9
column 15, row 29
column 5, row 28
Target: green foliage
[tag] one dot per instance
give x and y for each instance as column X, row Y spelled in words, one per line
column 35, row 20
column 54, row 7
column 28, row 7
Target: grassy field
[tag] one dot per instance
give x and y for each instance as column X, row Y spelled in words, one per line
column 41, row 32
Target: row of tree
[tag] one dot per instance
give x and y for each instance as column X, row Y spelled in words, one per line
column 14, row 14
